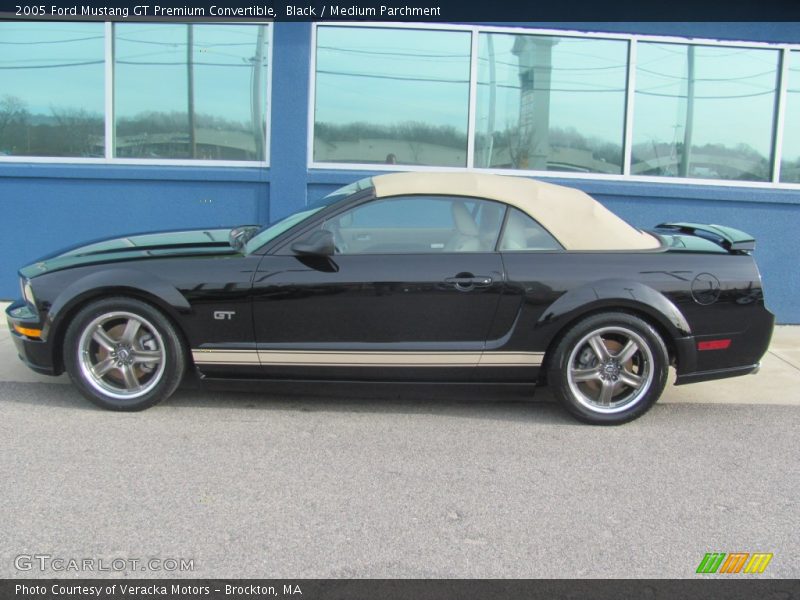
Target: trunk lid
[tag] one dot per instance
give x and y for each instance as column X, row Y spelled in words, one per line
column 729, row 239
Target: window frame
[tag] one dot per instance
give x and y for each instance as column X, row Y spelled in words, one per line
column 509, row 211
column 109, row 116
column 780, row 111
column 444, row 197
column 361, row 199
column 784, row 50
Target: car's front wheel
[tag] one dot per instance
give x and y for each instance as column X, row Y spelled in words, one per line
column 123, row 354
column 610, row 368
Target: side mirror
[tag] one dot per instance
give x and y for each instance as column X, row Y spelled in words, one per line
column 239, row 236
column 319, row 243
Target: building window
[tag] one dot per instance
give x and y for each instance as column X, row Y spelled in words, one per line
column 704, row 111
column 52, row 89
column 396, row 96
column 190, row 91
column 790, row 163
column 550, row 103
column 539, row 101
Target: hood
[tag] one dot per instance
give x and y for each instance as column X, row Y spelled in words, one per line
column 134, row 247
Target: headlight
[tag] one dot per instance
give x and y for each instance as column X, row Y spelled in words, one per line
column 27, row 292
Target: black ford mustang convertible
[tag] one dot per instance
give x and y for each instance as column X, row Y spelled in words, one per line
column 406, row 277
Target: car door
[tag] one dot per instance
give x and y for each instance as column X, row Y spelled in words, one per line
column 410, row 293
column 536, row 275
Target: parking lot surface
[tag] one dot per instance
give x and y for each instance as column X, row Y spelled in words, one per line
column 390, row 481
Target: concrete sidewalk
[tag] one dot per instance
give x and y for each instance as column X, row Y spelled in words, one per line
column 778, row 382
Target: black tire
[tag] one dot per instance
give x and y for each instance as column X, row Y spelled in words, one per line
column 123, row 354
column 617, row 387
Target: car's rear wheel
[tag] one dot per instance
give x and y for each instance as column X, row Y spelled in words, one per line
column 609, row 368
column 123, row 354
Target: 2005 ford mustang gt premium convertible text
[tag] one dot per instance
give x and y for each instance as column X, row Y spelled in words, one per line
column 406, row 277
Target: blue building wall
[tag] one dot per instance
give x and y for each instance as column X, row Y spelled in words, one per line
column 289, row 134
column 48, row 206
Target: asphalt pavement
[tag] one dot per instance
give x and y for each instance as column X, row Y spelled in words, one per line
column 399, row 481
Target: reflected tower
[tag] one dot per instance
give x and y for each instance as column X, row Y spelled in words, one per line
column 535, row 56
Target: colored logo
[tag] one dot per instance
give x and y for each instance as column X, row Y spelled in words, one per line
column 734, row 562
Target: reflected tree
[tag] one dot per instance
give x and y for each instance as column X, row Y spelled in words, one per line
column 76, row 131
column 12, row 109
column 14, row 116
column 158, row 134
column 64, row 132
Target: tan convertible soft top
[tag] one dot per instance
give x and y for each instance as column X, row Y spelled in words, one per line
column 574, row 218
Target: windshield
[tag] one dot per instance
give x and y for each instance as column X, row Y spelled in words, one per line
column 273, row 230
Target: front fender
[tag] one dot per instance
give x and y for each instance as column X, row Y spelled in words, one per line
column 617, row 293
column 115, row 280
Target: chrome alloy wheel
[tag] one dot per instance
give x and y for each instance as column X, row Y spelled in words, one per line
column 121, row 355
column 610, row 369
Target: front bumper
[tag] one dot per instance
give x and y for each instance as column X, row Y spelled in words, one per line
column 36, row 353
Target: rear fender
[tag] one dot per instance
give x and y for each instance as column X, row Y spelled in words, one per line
column 616, row 294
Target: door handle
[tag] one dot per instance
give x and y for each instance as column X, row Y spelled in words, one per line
column 466, row 282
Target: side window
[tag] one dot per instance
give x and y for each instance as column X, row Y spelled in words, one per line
column 418, row 224
column 523, row 233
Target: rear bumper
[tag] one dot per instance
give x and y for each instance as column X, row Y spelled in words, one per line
column 742, row 357
column 717, row 374
column 37, row 354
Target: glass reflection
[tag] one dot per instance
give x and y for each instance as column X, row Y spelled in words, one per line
column 718, row 102
column 550, row 103
column 790, row 163
column 190, row 91
column 395, row 96
column 51, row 89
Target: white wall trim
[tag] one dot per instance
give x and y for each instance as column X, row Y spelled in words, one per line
column 558, row 175
column 268, row 96
column 312, row 95
column 108, row 148
column 472, row 110
column 556, row 32
column 780, row 114
column 630, row 96
column 152, row 162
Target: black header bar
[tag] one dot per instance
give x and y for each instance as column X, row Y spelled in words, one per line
column 410, row 10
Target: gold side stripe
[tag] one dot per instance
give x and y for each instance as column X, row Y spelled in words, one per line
column 355, row 358
column 370, row 359
column 231, row 357
column 509, row 359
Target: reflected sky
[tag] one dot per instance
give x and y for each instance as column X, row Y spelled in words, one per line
column 151, row 71
column 53, row 64
column 734, row 97
column 391, row 76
